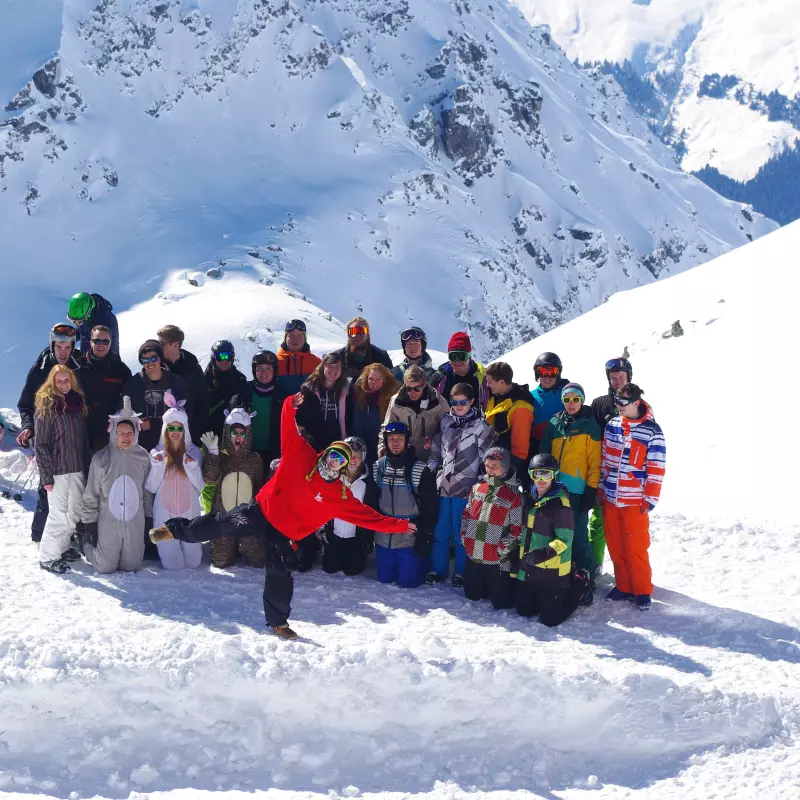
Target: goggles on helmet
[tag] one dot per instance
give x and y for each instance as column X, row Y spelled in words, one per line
column 295, row 325
column 539, row 474
column 549, row 372
column 412, row 333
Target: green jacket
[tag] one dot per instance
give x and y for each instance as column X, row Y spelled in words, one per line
column 546, row 547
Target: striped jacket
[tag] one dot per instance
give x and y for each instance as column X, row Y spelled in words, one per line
column 633, row 461
column 492, row 521
column 61, row 443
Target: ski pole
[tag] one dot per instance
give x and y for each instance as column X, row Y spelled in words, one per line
column 18, row 495
column 7, row 492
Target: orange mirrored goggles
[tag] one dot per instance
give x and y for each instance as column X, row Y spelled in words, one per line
column 358, row 330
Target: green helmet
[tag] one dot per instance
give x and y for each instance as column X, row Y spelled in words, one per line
column 81, row 307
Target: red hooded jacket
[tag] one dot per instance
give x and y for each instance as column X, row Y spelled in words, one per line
column 298, row 505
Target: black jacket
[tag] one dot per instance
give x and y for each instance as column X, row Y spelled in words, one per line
column 102, row 381
column 103, row 315
column 245, row 400
column 147, row 399
column 604, row 409
column 37, row 375
column 188, row 368
column 311, row 418
column 221, row 387
column 374, row 355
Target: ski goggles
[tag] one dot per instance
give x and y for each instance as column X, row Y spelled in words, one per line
column 618, row 365
column 459, row 403
column 224, row 357
column 175, row 428
column 572, row 399
column 238, row 433
column 458, row 356
column 412, row 333
column 338, row 458
column 295, row 325
column 64, row 333
column 106, row 342
column 542, row 474
column 622, row 401
column 144, row 360
column 549, row 372
column 415, row 389
column 358, row 330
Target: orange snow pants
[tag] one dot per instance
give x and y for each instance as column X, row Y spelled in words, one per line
column 628, row 537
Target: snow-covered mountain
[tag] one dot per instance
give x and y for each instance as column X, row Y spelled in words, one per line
column 421, row 161
column 718, row 79
column 166, row 685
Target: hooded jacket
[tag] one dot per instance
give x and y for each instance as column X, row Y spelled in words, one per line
column 575, row 442
column 633, row 461
column 238, row 475
column 423, row 423
column 147, row 399
column 61, row 443
column 444, row 379
column 102, row 381
column 103, row 315
column 115, row 496
column 373, row 355
column 297, row 501
column 511, row 417
column 176, row 495
column 546, row 404
column 188, row 368
column 324, row 415
column 37, row 375
column 221, row 387
column 363, row 489
column 458, row 448
column 294, row 367
column 425, row 363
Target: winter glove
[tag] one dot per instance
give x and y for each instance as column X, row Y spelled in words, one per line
column 89, row 534
column 423, row 544
column 211, row 442
column 588, row 500
column 538, row 556
column 160, row 534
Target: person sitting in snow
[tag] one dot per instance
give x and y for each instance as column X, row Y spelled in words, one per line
column 237, row 474
column 176, row 480
column 116, row 506
column 305, row 492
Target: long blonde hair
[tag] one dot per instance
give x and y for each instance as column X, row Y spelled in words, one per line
column 388, row 390
column 173, row 456
column 48, row 394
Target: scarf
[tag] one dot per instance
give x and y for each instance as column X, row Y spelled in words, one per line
column 468, row 417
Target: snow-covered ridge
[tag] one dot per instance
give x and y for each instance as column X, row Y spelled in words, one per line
column 417, row 161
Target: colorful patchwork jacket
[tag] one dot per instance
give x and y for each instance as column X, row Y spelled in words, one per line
column 492, row 521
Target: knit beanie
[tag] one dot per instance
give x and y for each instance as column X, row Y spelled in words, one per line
column 572, row 389
column 499, row 454
column 152, row 345
column 459, row 341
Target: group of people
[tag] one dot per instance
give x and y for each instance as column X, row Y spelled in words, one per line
column 346, row 454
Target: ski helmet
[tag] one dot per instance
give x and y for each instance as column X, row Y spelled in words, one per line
column 264, row 357
column 619, row 365
column 81, row 307
column 546, row 360
column 414, row 332
column 394, row 428
column 223, row 347
column 544, row 461
column 357, row 444
column 62, row 332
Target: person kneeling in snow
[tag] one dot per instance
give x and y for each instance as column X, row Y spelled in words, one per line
column 236, row 474
column 176, row 479
column 304, row 493
column 543, row 564
column 116, row 507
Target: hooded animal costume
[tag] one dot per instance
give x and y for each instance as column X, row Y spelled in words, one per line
column 238, row 476
column 115, row 502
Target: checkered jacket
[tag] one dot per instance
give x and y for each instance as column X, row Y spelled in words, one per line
column 492, row 521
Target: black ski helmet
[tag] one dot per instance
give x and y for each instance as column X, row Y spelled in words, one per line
column 546, row 360
column 264, row 357
column 619, row 365
column 414, row 332
column 544, row 461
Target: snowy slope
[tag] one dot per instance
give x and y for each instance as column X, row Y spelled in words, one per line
column 683, row 48
column 417, row 161
column 165, row 686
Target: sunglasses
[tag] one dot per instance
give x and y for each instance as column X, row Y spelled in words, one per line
column 542, row 474
column 295, row 325
column 149, row 359
column 338, row 458
column 458, row 356
column 358, row 330
column 412, row 333
column 549, row 372
column 459, row 403
column 622, row 401
column 224, row 356
column 101, row 341
column 238, row 434
column 566, row 400
column 414, row 389
column 175, row 428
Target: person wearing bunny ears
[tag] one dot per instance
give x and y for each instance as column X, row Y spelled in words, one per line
column 237, row 474
column 116, row 507
column 176, row 480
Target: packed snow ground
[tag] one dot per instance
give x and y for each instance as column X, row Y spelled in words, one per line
column 168, row 684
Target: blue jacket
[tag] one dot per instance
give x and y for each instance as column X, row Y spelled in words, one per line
column 103, row 315
column 546, row 404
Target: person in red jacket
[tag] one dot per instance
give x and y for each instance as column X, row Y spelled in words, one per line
column 305, row 492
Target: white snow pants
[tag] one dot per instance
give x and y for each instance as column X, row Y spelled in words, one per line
column 179, row 555
column 65, row 511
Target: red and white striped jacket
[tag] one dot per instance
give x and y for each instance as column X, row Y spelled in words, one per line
column 633, row 461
